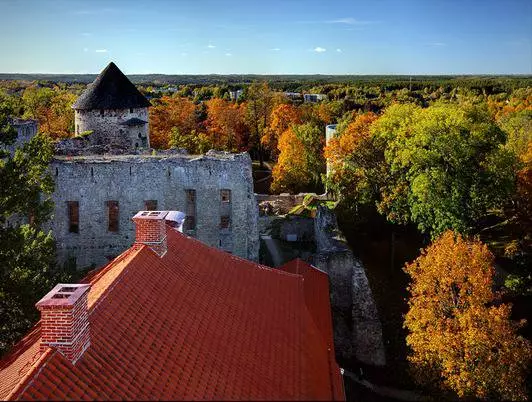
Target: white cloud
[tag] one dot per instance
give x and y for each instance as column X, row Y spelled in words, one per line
column 101, row 50
column 228, row 54
column 211, row 46
column 437, row 44
column 319, row 49
column 339, row 50
column 275, row 49
column 349, row 21
column 85, row 49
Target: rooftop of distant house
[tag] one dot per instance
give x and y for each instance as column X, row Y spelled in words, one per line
column 196, row 323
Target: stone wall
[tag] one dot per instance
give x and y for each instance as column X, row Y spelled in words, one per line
column 109, row 128
column 133, row 179
column 357, row 328
column 26, row 130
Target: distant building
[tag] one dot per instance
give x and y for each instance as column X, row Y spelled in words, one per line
column 173, row 319
column 330, row 132
column 313, row 98
column 293, row 95
column 235, row 95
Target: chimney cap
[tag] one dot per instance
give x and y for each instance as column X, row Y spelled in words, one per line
column 63, row 295
column 155, row 215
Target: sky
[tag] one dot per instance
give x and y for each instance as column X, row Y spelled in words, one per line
column 404, row 37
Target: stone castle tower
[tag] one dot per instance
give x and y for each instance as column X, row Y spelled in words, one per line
column 113, row 112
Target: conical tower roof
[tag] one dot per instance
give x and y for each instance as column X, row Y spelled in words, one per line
column 111, row 90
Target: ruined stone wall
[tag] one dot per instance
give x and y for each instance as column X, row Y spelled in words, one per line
column 26, row 130
column 133, row 179
column 357, row 328
column 108, row 128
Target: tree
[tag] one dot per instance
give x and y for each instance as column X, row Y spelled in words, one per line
column 356, row 163
column 193, row 142
column 518, row 127
column 52, row 108
column 226, row 125
column 27, row 254
column 282, row 117
column 460, row 338
column 446, row 166
column 301, row 161
column 260, row 101
column 167, row 113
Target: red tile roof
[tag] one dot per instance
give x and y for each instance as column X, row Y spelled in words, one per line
column 197, row 323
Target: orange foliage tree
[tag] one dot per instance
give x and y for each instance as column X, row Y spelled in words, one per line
column 52, row 108
column 301, row 160
column 356, row 164
column 168, row 113
column 282, row 117
column 460, row 339
column 226, row 126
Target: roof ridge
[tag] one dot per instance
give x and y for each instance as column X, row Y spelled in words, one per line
column 251, row 264
column 121, row 258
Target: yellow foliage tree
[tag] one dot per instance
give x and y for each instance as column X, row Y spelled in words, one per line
column 290, row 172
column 52, row 108
column 459, row 337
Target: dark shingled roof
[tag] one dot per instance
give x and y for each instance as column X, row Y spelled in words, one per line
column 111, row 90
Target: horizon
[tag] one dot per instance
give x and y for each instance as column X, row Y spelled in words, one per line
column 284, row 74
column 291, row 37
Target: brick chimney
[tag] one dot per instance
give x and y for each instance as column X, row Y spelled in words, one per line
column 151, row 230
column 65, row 320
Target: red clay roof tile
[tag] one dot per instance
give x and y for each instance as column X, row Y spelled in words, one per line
column 197, row 323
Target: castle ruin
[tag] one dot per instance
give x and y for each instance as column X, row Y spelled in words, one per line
column 107, row 173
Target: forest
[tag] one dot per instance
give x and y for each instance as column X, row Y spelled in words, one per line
column 442, row 164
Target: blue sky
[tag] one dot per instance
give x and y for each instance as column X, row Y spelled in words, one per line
column 267, row 37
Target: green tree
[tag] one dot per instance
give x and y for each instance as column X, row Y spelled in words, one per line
column 518, row 127
column 27, row 254
column 446, row 166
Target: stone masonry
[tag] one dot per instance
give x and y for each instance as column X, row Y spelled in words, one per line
column 357, row 328
column 129, row 181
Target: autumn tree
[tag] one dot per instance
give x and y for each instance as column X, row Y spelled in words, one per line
column 52, row 108
column 301, row 161
column 518, row 127
column 460, row 337
column 226, row 126
column 357, row 165
column 169, row 112
column 260, row 101
column 282, row 117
